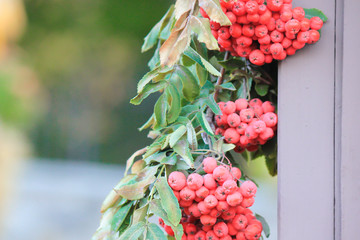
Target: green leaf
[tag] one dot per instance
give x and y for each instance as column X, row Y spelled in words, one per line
column 191, row 136
column 261, row 89
column 140, row 214
column 191, row 87
column 175, row 136
column 147, row 78
column 182, row 148
column 201, row 26
column 137, row 189
column 228, row 86
column 155, row 207
column 313, row 12
column 151, row 39
column 271, row 164
column 155, row 59
column 210, row 102
column 134, row 232
column 227, row 147
column 266, row 228
column 154, row 232
column 168, row 201
column 120, row 216
column 189, row 109
column 147, row 90
column 148, row 123
column 204, row 123
column 175, row 103
column 202, row 74
column 233, row 63
column 160, row 111
column 191, row 53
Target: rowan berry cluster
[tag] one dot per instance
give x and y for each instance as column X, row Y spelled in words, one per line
column 246, row 124
column 214, row 207
column 262, row 32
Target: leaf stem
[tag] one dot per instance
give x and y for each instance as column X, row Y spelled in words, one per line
column 221, row 77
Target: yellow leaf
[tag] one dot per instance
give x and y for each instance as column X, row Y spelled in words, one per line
column 182, row 6
column 201, row 26
column 175, row 45
column 213, row 9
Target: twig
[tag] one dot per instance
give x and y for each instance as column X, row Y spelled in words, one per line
column 221, row 77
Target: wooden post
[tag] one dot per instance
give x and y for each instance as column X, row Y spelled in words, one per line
column 306, row 136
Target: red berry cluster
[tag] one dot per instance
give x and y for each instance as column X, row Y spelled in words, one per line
column 214, row 207
column 262, row 32
column 246, row 124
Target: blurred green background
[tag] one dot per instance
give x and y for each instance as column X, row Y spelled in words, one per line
column 86, row 55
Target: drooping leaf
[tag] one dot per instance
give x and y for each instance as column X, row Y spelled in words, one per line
column 204, row 123
column 191, row 53
column 227, row 147
column 177, row 42
column 271, row 164
column 168, row 201
column 191, row 87
column 154, row 232
column 201, row 26
column 313, row 12
column 191, row 136
column 182, row 148
column 188, row 110
column 175, row 103
column 147, row 90
column 140, row 214
column 202, row 74
column 160, row 109
column 148, row 123
column 134, row 231
column 213, row 9
column 120, row 216
column 152, row 38
column 210, row 102
column 266, row 228
column 130, row 161
column 138, row 166
column 137, row 189
column 228, row 86
column 182, row 7
column 147, row 78
column 175, row 136
column 261, row 89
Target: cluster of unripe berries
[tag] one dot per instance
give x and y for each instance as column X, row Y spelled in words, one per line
column 214, row 207
column 246, row 124
column 262, row 32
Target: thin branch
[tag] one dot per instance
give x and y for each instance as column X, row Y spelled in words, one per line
column 221, row 77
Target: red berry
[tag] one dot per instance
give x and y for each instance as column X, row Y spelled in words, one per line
column 202, row 192
column 230, row 186
column 233, row 120
column 234, row 199
column 246, row 115
column 259, row 126
column 214, row 25
column 261, row 31
column 201, row 235
column 248, row 189
column 224, row 33
column 274, row 5
column 235, row 172
column 177, row 180
column 238, row 8
column 210, row 201
column 221, row 174
column 231, row 16
column 241, row 103
column 195, row 181
column 251, row 7
column 240, row 222
column 241, row 128
column 187, row 194
column 298, row 13
column 248, row 30
column 231, row 136
column 207, row 220
column 229, row 107
column 220, row 193
column 305, row 24
column 268, row 107
column 293, row 26
column 235, row 30
column 314, row 36
column 220, row 229
column 257, row 57
column 209, row 181
column 203, row 209
column 267, row 134
column 222, row 206
column 194, row 210
column 209, row 164
column 276, row 49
